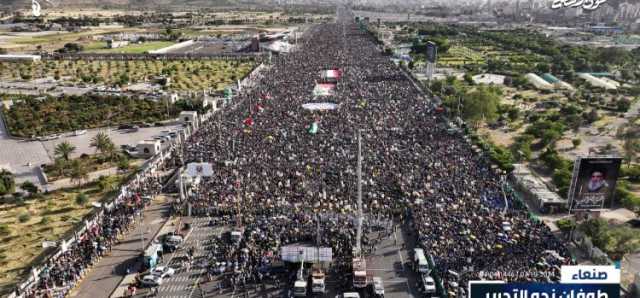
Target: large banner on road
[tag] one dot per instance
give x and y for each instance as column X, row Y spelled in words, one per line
column 324, row 89
column 331, row 75
column 594, row 182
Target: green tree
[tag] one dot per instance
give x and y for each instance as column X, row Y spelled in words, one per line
column 576, row 142
column 60, row 165
column 102, row 142
column 29, row 186
column 565, row 224
column 630, row 135
column 63, row 150
column 480, row 105
column 78, row 173
column 24, row 217
column 623, row 104
column 82, row 199
column 7, row 182
column 468, row 79
column 107, row 183
column 123, row 163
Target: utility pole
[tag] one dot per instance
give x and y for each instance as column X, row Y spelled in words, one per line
column 359, row 231
column 141, row 231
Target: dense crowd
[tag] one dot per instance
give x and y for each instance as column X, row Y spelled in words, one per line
column 283, row 184
column 276, row 175
column 62, row 272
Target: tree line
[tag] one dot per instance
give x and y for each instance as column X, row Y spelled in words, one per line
column 31, row 116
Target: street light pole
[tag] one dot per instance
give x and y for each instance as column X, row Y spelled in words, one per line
column 359, row 231
column 141, row 231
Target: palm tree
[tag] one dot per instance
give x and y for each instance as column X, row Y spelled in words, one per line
column 630, row 136
column 110, row 152
column 78, row 172
column 7, row 182
column 102, row 142
column 63, row 150
column 59, row 166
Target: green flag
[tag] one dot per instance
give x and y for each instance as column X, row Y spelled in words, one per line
column 313, row 129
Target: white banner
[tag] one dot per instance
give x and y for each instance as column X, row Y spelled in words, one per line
column 590, row 274
column 310, row 254
column 46, row 244
column 199, row 169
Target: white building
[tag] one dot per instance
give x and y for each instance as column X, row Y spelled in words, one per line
column 148, row 148
column 113, row 44
column 538, row 82
column 534, row 188
column 20, row 57
column 597, row 82
column 189, row 117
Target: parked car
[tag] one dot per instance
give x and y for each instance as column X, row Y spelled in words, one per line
column 378, row 287
column 163, row 271
column 133, row 128
column 428, row 284
column 151, row 280
column 79, row 132
column 125, row 126
column 171, row 242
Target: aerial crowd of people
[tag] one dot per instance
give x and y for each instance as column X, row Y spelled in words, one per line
column 65, row 269
column 288, row 175
column 276, row 173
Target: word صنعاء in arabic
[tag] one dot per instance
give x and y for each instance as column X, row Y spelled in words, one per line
column 586, row 4
column 586, row 275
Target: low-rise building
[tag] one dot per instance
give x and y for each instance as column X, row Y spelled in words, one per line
column 189, row 117
column 535, row 190
column 113, row 44
column 20, row 57
column 148, row 148
column 538, row 82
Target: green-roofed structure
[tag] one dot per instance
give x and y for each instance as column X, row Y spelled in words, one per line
column 550, row 78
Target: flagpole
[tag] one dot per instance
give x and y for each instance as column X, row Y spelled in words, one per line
column 359, row 232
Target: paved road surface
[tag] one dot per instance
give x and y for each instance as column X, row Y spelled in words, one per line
column 15, row 156
column 105, row 276
column 392, row 262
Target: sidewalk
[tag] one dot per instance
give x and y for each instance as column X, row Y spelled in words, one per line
column 105, row 276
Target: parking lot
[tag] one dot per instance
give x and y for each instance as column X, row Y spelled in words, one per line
column 23, row 157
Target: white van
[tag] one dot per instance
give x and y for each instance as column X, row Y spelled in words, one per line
column 420, row 261
column 378, row 287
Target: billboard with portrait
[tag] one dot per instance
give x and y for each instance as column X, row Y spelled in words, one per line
column 594, row 182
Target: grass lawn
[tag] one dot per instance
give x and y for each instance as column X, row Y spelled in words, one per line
column 134, row 48
column 94, row 46
column 24, row 226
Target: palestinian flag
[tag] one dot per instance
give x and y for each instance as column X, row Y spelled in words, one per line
column 259, row 108
column 324, row 89
column 331, row 74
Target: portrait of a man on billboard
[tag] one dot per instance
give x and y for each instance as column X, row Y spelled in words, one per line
column 596, row 182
